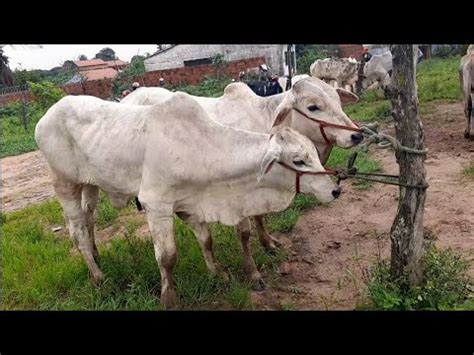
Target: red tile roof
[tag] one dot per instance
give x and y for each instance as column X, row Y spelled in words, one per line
column 90, row 62
column 117, row 62
column 98, row 74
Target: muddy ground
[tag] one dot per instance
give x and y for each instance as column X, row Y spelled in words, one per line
column 331, row 248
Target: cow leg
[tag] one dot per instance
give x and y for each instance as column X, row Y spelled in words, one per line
column 470, row 118
column 243, row 230
column 161, row 228
column 69, row 195
column 205, row 241
column 90, row 197
column 267, row 241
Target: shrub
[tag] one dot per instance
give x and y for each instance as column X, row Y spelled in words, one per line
column 46, row 93
column 445, row 284
column 449, row 50
column 209, row 87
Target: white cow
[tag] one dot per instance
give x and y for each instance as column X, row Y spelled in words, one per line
column 377, row 71
column 466, row 78
column 240, row 107
column 344, row 72
column 177, row 160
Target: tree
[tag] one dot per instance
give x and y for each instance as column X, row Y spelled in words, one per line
column 137, row 57
column 69, row 65
column 407, row 230
column 6, row 78
column 83, row 57
column 130, row 74
column 106, row 54
column 23, row 77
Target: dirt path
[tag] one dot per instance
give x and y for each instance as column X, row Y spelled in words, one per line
column 25, row 181
column 331, row 247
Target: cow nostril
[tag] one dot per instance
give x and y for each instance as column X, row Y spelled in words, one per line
column 336, row 192
column 357, row 137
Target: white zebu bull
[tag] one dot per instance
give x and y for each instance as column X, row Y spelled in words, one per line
column 466, row 78
column 377, row 71
column 343, row 71
column 239, row 107
column 177, row 160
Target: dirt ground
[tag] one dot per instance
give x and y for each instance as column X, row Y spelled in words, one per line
column 331, row 247
column 25, row 181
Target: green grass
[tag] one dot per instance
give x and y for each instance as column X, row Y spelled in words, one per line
column 106, row 213
column 363, row 163
column 437, row 80
column 445, row 285
column 372, row 106
column 41, row 272
column 469, row 171
column 15, row 139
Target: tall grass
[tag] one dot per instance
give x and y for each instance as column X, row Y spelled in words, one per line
column 42, row 270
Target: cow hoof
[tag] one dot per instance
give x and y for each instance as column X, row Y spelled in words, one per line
column 271, row 247
column 466, row 135
column 168, row 299
column 271, row 244
column 258, row 285
column 97, row 278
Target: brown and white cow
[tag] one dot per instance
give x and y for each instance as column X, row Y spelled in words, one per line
column 342, row 71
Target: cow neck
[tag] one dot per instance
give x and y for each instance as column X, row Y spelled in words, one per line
column 270, row 104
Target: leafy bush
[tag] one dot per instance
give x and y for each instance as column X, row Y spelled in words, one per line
column 445, row 284
column 449, row 50
column 46, row 93
column 125, row 78
column 209, row 87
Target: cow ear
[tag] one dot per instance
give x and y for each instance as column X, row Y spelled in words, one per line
column 271, row 156
column 347, row 97
column 283, row 110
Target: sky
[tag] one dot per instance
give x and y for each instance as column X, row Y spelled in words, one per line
column 50, row 56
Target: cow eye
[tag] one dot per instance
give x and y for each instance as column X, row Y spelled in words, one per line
column 299, row 162
column 313, row 108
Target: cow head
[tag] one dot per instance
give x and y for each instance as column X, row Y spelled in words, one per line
column 318, row 100
column 298, row 153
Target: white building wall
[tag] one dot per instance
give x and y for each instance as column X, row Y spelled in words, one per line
column 175, row 56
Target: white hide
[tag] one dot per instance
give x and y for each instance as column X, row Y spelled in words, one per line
column 175, row 158
column 241, row 108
